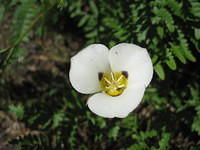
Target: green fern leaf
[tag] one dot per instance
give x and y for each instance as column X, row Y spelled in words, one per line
column 160, row 31
column 93, row 7
column 171, row 63
column 160, row 71
column 178, row 53
column 197, row 33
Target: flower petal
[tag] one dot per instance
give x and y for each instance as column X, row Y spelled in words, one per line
column 85, row 67
column 119, row 106
column 133, row 59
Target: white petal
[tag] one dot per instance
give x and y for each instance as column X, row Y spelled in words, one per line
column 119, row 106
column 133, row 59
column 85, row 67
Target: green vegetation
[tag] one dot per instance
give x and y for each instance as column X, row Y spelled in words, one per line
column 37, row 39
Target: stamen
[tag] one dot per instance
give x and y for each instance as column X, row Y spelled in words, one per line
column 121, row 86
column 113, row 84
column 107, row 80
column 119, row 78
column 112, row 76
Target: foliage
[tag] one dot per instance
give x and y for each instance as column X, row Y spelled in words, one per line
column 169, row 116
column 165, row 27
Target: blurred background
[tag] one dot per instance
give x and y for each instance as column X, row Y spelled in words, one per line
column 39, row 109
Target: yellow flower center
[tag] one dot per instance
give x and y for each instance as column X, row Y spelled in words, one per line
column 113, row 84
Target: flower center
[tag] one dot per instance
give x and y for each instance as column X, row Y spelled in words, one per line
column 113, row 84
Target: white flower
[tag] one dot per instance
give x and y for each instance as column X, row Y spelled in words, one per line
column 117, row 77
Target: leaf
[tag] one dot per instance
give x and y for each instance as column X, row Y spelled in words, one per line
column 22, row 19
column 154, row 59
column 171, row 63
column 112, row 43
column 58, row 117
column 175, row 6
column 155, row 20
column 166, row 17
column 2, row 10
column 185, row 48
column 170, row 26
column 4, row 50
column 160, row 71
column 189, row 55
column 142, row 35
column 92, row 34
column 197, row 33
column 93, row 7
column 196, row 125
column 160, row 31
column 76, row 98
column 113, row 133
column 178, row 53
column 83, row 20
column 148, row 134
column 195, row 9
column 18, row 110
column 61, row 4
column 17, row 54
column 164, row 142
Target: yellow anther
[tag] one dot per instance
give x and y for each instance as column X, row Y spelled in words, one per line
column 113, row 84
